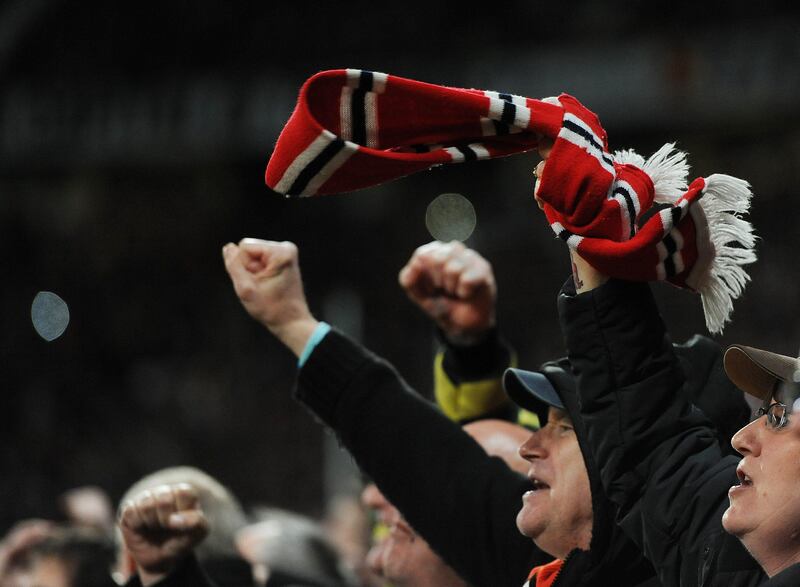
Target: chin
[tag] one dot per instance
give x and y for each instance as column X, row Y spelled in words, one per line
column 527, row 526
column 731, row 523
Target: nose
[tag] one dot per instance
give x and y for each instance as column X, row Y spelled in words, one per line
column 745, row 441
column 372, row 497
column 533, row 448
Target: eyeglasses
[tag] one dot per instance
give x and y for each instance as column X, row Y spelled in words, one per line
column 777, row 415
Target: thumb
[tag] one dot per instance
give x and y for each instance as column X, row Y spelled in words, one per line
column 233, row 263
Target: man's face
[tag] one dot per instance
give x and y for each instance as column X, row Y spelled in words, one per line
column 402, row 556
column 557, row 513
column 764, row 509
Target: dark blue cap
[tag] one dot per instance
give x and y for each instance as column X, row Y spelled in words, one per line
column 535, row 390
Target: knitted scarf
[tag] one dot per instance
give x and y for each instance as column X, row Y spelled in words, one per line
column 629, row 217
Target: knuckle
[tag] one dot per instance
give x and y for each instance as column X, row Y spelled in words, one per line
column 184, row 489
column 145, row 499
column 457, row 246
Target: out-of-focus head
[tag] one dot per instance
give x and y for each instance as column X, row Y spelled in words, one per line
column 287, row 548
column 88, row 507
column 402, row 556
column 764, row 509
column 16, row 547
column 557, row 512
column 71, row 557
column 223, row 511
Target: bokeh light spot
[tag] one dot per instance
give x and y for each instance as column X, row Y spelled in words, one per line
column 450, row 217
column 50, row 315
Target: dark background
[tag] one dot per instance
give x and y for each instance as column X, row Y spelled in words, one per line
column 133, row 143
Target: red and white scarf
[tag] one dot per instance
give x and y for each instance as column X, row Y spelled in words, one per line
column 630, row 217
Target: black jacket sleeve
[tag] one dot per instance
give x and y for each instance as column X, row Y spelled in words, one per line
column 463, row 502
column 659, row 458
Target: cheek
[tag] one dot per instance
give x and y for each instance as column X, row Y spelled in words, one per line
column 577, row 495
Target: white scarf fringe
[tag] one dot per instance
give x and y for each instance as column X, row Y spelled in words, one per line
column 724, row 199
column 667, row 167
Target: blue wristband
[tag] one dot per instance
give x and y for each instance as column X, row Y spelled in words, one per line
column 316, row 337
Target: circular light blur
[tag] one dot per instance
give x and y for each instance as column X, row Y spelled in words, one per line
column 50, row 315
column 450, row 217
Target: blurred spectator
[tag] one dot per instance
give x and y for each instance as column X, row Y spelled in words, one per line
column 217, row 553
column 89, row 507
column 15, row 547
column 402, row 556
column 68, row 557
column 289, row 549
column 349, row 526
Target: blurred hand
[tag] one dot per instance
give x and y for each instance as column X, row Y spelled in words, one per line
column 266, row 277
column 161, row 527
column 453, row 285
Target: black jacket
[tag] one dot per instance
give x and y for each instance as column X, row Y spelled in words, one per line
column 463, row 502
column 660, row 459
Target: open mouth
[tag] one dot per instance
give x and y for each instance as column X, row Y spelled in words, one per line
column 744, row 480
column 538, row 484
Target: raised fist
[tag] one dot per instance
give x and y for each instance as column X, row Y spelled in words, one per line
column 455, row 286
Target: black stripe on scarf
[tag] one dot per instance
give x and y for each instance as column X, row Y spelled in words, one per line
column 564, row 234
column 509, row 113
column 469, row 154
column 631, row 208
column 359, row 116
column 669, row 263
column 366, row 81
column 314, row 167
column 500, row 129
column 576, row 128
column 677, row 214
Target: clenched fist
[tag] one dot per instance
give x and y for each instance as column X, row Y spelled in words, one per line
column 455, row 286
column 161, row 527
column 266, row 278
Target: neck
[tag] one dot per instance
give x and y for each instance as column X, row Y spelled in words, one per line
column 560, row 550
column 774, row 558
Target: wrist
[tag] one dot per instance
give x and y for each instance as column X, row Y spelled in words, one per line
column 585, row 277
column 487, row 359
column 467, row 338
column 295, row 333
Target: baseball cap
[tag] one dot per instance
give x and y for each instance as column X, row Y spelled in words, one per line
column 536, row 391
column 760, row 373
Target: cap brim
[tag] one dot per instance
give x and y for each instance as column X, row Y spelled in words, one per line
column 758, row 372
column 532, row 391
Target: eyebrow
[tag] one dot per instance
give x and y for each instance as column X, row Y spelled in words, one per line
column 561, row 417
